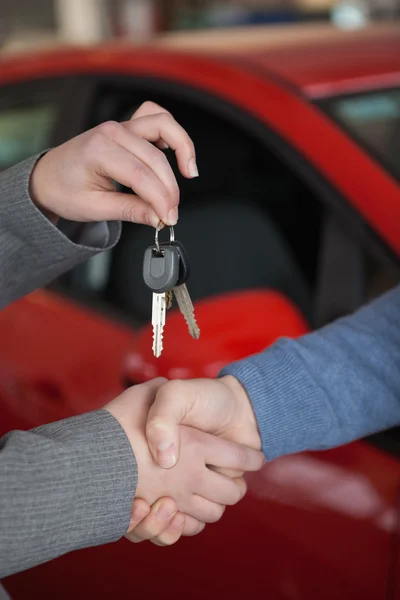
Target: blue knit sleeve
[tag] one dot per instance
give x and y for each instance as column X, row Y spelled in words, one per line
column 329, row 387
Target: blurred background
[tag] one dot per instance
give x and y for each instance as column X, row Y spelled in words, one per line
column 27, row 22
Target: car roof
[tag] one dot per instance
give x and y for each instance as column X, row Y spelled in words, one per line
column 311, row 57
column 317, row 59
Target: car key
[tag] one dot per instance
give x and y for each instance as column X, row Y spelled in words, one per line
column 160, row 274
column 180, row 290
column 186, row 307
column 182, row 295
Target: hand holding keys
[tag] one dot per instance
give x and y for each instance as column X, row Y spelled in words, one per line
column 165, row 271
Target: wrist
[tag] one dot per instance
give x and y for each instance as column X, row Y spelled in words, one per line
column 243, row 408
column 37, row 187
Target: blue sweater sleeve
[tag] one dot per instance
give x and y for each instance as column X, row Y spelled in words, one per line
column 330, row 387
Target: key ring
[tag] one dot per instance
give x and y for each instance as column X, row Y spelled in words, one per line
column 171, row 237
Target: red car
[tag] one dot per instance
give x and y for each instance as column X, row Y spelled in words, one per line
column 294, row 221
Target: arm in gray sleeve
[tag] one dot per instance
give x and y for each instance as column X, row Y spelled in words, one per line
column 33, row 250
column 330, row 387
column 63, row 486
column 69, row 484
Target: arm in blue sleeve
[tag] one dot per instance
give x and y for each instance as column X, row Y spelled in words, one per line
column 330, row 387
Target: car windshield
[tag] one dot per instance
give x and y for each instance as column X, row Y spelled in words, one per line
column 373, row 119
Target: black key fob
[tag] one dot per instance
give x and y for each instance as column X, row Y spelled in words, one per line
column 161, row 270
column 184, row 266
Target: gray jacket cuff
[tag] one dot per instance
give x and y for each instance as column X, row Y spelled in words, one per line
column 35, row 251
column 67, row 485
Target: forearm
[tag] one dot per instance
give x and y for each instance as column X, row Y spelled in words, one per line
column 64, row 486
column 34, row 251
column 330, row 387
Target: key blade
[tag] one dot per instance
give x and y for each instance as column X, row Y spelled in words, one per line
column 186, row 307
column 158, row 322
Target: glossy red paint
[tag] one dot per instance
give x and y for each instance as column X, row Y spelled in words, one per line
column 313, row 526
column 233, row 326
column 46, row 372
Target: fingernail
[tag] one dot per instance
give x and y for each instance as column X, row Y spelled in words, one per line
column 166, row 455
column 173, row 216
column 164, row 511
column 163, row 145
column 192, row 168
column 154, row 220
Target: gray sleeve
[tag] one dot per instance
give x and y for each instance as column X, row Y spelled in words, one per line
column 69, row 484
column 64, row 486
column 33, row 250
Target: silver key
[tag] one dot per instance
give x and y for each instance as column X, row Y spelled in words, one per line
column 186, row 307
column 159, row 309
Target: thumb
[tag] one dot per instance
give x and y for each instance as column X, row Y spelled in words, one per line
column 197, row 403
column 109, row 205
column 162, row 427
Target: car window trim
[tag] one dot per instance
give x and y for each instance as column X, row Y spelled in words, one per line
column 326, row 105
column 330, row 195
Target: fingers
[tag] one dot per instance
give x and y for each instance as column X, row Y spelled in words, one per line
column 205, row 404
column 192, row 526
column 221, row 489
column 140, row 510
column 161, row 524
column 123, row 152
column 163, row 127
column 228, row 472
column 205, row 511
column 229, row 455
column 130, row 137
column 148, row 108
column 155, row 522
column 120, row 407
column 115, row 162
column 173, row 403
column 172, row 533
column 167, row 132
column 180, row 525
column 111, row 206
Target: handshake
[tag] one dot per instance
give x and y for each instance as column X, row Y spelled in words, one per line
column 193, row 441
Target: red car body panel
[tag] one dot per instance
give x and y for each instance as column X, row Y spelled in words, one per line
column 312, row 526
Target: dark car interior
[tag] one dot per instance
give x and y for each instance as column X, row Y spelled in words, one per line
column 246, row 222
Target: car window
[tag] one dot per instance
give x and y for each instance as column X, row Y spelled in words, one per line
column 245, row 192
column 374, row 119
column 28, row 116
column 24, row 132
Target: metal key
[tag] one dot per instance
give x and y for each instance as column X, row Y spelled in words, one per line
column 186, row 307
column 160, row 273
column 182, row 295
column 158, row 318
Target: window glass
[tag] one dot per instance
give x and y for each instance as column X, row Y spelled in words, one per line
column 25, row 131
column 29, row 114
column 374, row 119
